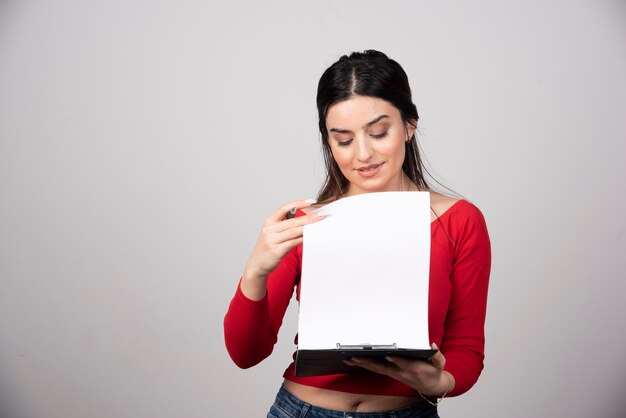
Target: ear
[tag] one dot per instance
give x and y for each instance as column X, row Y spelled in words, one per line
column 411, row 126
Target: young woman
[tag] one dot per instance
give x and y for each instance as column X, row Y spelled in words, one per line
column 367, row 121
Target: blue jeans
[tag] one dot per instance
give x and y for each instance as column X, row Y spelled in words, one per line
column 288, row 406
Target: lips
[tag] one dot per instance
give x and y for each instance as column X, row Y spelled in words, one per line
column 369, row 171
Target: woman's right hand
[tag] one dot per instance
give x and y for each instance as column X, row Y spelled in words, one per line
column 277, row 238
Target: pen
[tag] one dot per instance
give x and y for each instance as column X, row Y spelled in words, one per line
column 291, row 213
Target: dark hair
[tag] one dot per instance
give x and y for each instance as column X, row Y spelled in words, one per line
column 368, row 73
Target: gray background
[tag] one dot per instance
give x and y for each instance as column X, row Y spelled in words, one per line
column 142, row 143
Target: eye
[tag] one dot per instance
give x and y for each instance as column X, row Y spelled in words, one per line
column 344, row 143
column 380, row 135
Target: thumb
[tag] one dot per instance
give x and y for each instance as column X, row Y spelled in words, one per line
column 438, row 360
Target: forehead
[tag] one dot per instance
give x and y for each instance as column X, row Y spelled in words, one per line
column 358, row 111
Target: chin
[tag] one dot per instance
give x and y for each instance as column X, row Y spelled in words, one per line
column 372, row 186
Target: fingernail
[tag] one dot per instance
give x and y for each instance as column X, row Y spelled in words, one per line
column 434, row 346
column 389, row 359
column 310, row 201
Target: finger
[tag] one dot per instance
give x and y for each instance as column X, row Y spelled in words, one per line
column 291, row 234
column 297, row 222
column 282, row 211
column 400, row 362
column 409, row 364
column 286, row 246
column 275, row 235
column 388, row 369
column 438, row 359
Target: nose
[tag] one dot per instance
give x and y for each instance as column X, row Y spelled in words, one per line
column 364, row 150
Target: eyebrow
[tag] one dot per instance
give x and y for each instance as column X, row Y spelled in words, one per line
column 370, row 123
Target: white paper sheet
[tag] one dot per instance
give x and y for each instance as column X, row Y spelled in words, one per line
column 365, row 273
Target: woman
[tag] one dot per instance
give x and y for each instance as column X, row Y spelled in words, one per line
column 367, row 121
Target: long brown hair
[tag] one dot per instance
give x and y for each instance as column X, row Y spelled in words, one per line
column 368, row 73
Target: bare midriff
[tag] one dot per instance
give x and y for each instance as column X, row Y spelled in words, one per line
column 348, row 402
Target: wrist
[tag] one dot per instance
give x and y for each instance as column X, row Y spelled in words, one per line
column 253, row 284
column 441, row 389
column 446, row 384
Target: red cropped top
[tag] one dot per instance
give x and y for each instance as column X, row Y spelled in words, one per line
column 459, row 275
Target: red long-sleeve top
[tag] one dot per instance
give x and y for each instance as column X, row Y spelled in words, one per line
column 460, row 262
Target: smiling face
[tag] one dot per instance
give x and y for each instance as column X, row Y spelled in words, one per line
column 367, row 139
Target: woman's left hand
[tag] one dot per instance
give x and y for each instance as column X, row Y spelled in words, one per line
column 427, row 377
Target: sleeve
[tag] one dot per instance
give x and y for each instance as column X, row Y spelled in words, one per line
column 251, row 327
column 464, row 336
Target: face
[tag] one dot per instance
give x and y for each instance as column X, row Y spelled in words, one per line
column 367, row 138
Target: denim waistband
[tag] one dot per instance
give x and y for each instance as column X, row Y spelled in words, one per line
column 297, row 408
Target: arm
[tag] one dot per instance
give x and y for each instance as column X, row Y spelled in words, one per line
column 251, row 326
column 464, row 338
column 456, row 367
column 256, row 311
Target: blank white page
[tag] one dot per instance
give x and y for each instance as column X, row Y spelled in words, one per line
column 365, row 273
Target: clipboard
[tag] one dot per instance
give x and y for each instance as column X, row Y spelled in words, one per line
column 365, row 274
column 331, row 361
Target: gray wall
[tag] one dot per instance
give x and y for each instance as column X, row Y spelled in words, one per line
column 142, row 143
